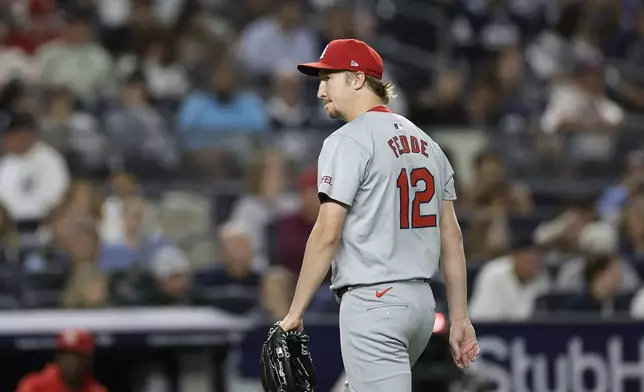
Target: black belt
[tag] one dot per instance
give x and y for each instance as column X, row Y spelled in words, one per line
column 343, row 290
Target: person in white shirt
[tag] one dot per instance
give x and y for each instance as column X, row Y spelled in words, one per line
column 507, row 287
column 33, row 176
column 579, row 101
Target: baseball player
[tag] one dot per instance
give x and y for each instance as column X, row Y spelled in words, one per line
column 386, row 217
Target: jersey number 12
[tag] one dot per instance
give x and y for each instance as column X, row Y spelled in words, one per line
column 417, row 220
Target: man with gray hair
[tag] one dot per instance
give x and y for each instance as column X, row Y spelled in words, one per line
column 234, row 284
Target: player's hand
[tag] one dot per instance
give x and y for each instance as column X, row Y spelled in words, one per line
column 463, row 343
column 292, row 323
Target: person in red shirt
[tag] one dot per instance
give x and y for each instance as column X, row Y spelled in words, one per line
column 71, row 371
column 41, row 26
column 291, row 232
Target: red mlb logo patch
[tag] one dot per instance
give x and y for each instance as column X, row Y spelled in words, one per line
column 326, row 180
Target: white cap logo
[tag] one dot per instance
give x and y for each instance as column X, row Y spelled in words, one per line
column 354, row 64
column 323, row 52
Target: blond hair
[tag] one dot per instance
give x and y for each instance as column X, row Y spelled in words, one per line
column 383, row 89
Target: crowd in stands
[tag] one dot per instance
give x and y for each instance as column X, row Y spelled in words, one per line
column 163, row 152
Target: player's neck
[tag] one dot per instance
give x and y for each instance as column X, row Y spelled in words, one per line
column 363, row 104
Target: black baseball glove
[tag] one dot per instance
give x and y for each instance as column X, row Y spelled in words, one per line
column 286, row 363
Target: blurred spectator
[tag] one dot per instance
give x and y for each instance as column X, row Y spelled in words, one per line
column 615, row 198
column 265, row 199
column 627, row 42
column 14, row 63
column 579, row 102
column 87, row 284
column 58, row 235
column 136, row 247
column 33, row 176
column 602, row 278
column 562, row 233
column 166, row 78
column 506, row 288
column 632, row 231
column 337, row 23
column 215, row 25
column 441, row 103
column 280, row 40
column 38, row 27
column 595, row 240
column 235, row 282
column 122, row 185
column 194, row 47
column 137, row 34
column 492, row 187
column 77, row 62
column 277, row 292
column 491, row 200
column 172, row 279
column 481, row 28
column 73, row 132
column 549, row 55
column 488, row 235
column 18, row 97
column 113, row 14
column 237, row 247
column 207, row 116
column 9, row 240
column 84, row 201
column 519, row 97
column 286, row 107
column 291, row 232
column 139, row 135
column 71, row 370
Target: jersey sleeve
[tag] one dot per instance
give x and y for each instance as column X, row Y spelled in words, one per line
column 449, row 192
column 27, row 384
column 341, row 168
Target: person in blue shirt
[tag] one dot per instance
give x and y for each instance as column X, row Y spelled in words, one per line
column 135, row 247
column 219, row 109
column 614, row 199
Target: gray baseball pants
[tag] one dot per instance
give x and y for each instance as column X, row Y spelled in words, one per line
column 382, row 337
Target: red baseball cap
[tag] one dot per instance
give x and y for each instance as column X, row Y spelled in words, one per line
column 346, row 55
column 76, row 340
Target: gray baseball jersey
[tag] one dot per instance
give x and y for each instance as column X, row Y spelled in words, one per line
column 393, row 177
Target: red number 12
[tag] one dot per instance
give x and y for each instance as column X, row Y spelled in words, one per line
column 418, row 221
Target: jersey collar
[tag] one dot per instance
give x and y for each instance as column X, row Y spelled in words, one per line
column 380, row 108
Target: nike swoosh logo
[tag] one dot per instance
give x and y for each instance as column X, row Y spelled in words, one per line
column 383, row 292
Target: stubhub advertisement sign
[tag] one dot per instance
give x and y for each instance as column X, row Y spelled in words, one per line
column 562, row 357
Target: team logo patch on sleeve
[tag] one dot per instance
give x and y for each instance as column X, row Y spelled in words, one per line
column 326, row 180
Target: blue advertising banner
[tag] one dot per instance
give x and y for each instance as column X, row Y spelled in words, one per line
column 603, row 357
